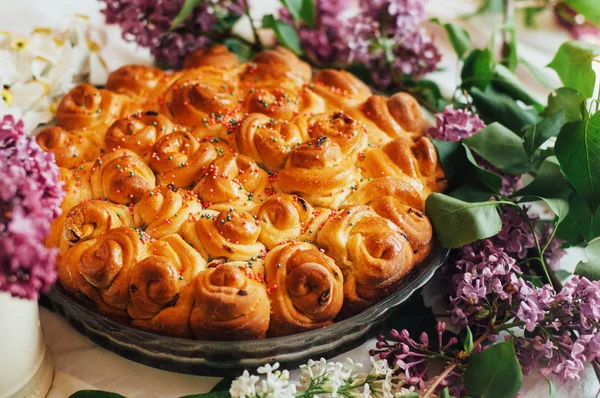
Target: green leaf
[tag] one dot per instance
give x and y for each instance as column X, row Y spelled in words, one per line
column 578, row 151
column 551, row 389
column 427, row 92
column 445, row 393
column 285, row 33
column 536, row 72
column 293, row 6
column 186, row 10
column 549, row 182
column 559, row 206
column 506, row 81
column 459, row 223
column 239, row 48
column 307, row 12
column 458, row 37
column 95, row 394
column 409, row 395
column 581, row 224
column 536, row 135
column 468, row 342
column 494, row 373
column 590, row 268
column 569, row 101
column 510, row 59
column 590, row 9
column 536, row 281
column 490, row 6
column 498, row 107
column 573, row 63
column 562, row 274
column 223, row 385
column 492, row 180
column 501, row 147
column 478, row 69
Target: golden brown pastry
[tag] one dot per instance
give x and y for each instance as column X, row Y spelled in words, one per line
column 231, row 303
column 400, row 116
column 285, row 217
column 229, row 234
column 267, row 141
column 341, row 89
column 69, row 148
column 233, row 181
column 162, row 211
column 283, row 101
column 349, row 134
column 161, row 289
column 373, row 253
column 217, row 55
column 319, row 172
column 86, row 107
column 138, row 132
column 274, row 67
column 139, row 82
column 305, row 287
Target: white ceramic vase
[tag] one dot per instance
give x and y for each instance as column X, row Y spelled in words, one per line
column 26, row 366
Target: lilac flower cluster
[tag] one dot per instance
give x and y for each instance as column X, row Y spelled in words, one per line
column 411, row 357
column 567, row 324
column 386, row 36
column 324, row 42
column 455, row 124
column 148, row 23
column 30, row 197
column 576, row 24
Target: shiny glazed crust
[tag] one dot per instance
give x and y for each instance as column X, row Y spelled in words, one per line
column 234, row 201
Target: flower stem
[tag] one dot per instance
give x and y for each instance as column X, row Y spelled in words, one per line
column 257, row 43
column 439, row 379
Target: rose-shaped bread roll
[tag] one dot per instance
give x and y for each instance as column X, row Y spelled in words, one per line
column 77, row 186
column 217, row 55
column 373, row 253
column 283, row 101
column 138, row 132
column 305, row 287
column 231, row 303
column 400, row 116
column 121, row 176
column 139, row 82
column 90, row 219
column 319, row 172
column 273, row 67
column 199, row 95
column 402, row 189
column 86, row 107
column 181, row 159
column 233, row 181
column 418, row 162
column 285, row 217
column 162, row 211
column 102, row 271
column 341, row 89
column 69, row 148
column 228, row 234
column 161, row 291
column 348, row 133
column 267, row 141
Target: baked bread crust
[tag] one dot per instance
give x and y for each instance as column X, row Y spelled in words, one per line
column 233, row 201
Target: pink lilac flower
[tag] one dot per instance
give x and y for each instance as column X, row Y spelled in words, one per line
column 30, row 197
column 324, row 42
column 455, row 124
column 576, row 24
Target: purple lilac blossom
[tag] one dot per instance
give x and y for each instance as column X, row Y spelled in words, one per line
column 324, row 42
column 30, row 197
column 576, row 24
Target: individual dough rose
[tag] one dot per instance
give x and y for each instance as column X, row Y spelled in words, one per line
column 267, row 141
column 417, row 162
column 162, row 211
column 217, row 55
column 161, row 291
column 276, row 66
column 90, row 219
column 341, row 89
column 283, row 101
column 106, row 265
column 319, row 172
column 400, row 116
column 231, row 303
column 305, row 288
column 181, row 159
column 349, row 134
column 138, row 132
column 402, row 189
column 86, row 107
column 228, row 234
column 121, row 176
column 285, row 217
column 200, row 94
column 233, row 181
column 69, row 148
column 373, row 253
column 139, row 82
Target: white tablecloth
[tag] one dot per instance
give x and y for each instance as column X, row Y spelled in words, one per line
column 81, row 364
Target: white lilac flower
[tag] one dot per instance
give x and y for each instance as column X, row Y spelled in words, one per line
column 244, row 386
